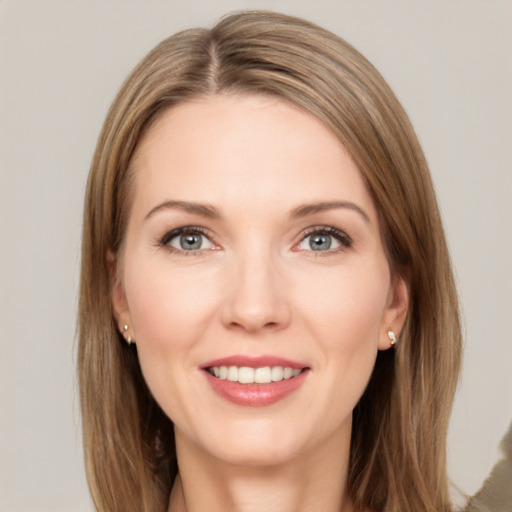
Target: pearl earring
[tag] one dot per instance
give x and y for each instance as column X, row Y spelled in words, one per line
column 127, row 337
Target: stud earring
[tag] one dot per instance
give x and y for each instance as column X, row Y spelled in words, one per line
column 127, row 337
column 392, row 337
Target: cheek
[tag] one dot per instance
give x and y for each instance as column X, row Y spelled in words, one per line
column 170, row 309
column 349, row 331
column 168, row 306
column 347, row 310
column 346, row 322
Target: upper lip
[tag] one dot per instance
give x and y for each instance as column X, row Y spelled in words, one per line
column 254, row 362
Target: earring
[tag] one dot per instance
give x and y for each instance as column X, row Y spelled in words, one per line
column 392, row 337
column 127, row 337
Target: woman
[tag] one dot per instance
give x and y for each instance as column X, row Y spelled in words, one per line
column 268, row 318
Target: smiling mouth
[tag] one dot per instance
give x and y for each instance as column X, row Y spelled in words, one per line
column 248, row 375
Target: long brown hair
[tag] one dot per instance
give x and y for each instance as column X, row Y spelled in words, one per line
column 397, row 457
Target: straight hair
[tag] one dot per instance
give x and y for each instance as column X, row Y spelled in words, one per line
column 398, row 445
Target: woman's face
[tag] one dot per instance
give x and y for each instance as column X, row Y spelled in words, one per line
column 253, row 253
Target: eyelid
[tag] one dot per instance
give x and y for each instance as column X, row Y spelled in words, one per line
column 164, row 240
column 341, row 236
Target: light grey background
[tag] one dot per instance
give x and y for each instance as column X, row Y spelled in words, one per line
column 61, row 62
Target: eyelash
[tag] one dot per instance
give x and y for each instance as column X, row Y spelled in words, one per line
column 345, row 241
column 185, row 230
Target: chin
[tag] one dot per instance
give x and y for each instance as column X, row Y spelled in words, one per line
column 256, row 454
column 265, row 442
column 248, row 442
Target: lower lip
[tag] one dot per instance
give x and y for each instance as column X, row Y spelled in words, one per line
column 255, row 395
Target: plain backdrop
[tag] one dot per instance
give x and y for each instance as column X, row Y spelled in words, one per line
column 61, row 62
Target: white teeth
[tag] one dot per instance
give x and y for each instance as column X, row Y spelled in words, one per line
column 277, row 373
column 262, row 375
column 247, row 375
column 233, row 373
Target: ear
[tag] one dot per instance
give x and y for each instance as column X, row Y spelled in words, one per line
column 396, row 311
column 118, row 296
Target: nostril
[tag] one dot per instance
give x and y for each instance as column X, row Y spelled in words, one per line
column 254, row 325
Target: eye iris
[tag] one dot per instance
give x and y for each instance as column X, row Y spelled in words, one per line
column 320, row 242
column 190, row 241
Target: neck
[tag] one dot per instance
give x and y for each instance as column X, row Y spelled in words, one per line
column 314, row 481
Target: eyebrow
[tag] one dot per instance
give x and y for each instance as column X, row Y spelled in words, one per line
column 204, row 210
column 211, row 212
column 310, row 209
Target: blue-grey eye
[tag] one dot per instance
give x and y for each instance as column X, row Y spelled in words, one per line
column 190, row 242
column 319, row 242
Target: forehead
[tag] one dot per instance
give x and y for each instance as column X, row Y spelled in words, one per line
column 229, row 150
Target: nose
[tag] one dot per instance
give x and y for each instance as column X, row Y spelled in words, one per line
column 256, row 295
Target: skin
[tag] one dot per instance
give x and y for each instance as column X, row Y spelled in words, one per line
column 255, row 286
